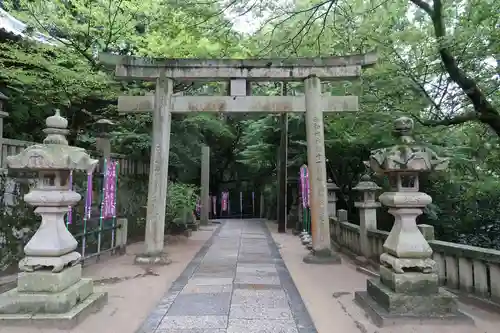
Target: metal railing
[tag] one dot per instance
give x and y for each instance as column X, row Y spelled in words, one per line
column 99, row 237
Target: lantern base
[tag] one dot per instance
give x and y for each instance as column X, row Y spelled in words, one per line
column 56, row 300
column 387, row 307
column 32, row 263
column 323, row 257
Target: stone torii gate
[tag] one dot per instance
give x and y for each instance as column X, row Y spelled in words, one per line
column 239, row 73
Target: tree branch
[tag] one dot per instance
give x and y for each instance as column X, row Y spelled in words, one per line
column 485, row 111
column 424, row 6
column 457, row 120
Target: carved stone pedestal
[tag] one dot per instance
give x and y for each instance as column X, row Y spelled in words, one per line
column 50, row 299
column 387, row 307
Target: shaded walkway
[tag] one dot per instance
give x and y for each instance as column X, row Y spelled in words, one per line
column 237, row 283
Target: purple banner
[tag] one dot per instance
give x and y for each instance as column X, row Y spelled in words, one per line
column 304, row 185
column 224, row 201
column 198, row 206
column 109, row 204
column 88, row 198
column 70, row 209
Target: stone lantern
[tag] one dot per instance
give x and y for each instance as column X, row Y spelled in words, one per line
column 50, row 282
column 408, row 284
column 367, row 188
column 367, row 211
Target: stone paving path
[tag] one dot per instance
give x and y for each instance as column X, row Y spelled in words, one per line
column 237, row 283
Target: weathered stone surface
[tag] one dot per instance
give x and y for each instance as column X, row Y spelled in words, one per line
column 46, row 281
column 207, row 281
column 206, row 289
column 382, row 318
column 192, row 322
column 317, row 165
column 259, row 311
column 201, row 304
column 15, row 302
column 158, row 175
column 410, row 283
column 440, row 303
column 256, row 268
column 63, row 321
column 261, row 326
column 260, row 298
column 257, row 279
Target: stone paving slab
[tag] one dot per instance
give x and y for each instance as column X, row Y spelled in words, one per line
column 215, row 330
column 257, row 279
column 192, row 322
column 270, row 298
column 210, row 281
column 256, row 268
column 256, row 311
column 201, row 304
column 261, row 326
column 237, row 283
column 209, row 289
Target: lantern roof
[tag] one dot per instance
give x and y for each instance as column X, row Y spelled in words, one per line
column 407, row 156
column 54, row 153
column 366, row 185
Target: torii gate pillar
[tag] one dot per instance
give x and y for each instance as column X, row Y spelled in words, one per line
column 322, row 249
column 158, row 176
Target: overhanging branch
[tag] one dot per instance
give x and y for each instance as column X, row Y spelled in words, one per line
column 457, row 120
column 484, row 110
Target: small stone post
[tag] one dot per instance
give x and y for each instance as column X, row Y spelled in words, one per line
column 103, row 142
column 332, row 198
column 332, row 206
column 121, row 234
column 367, row 212
column 205, row 186
column 322, row 247
column 262, row 208
column 50, row 284
column 408, row 287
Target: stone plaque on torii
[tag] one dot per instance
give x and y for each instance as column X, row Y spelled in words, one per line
column 238, row 73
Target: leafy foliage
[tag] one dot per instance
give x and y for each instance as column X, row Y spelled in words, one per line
column 447, row 80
